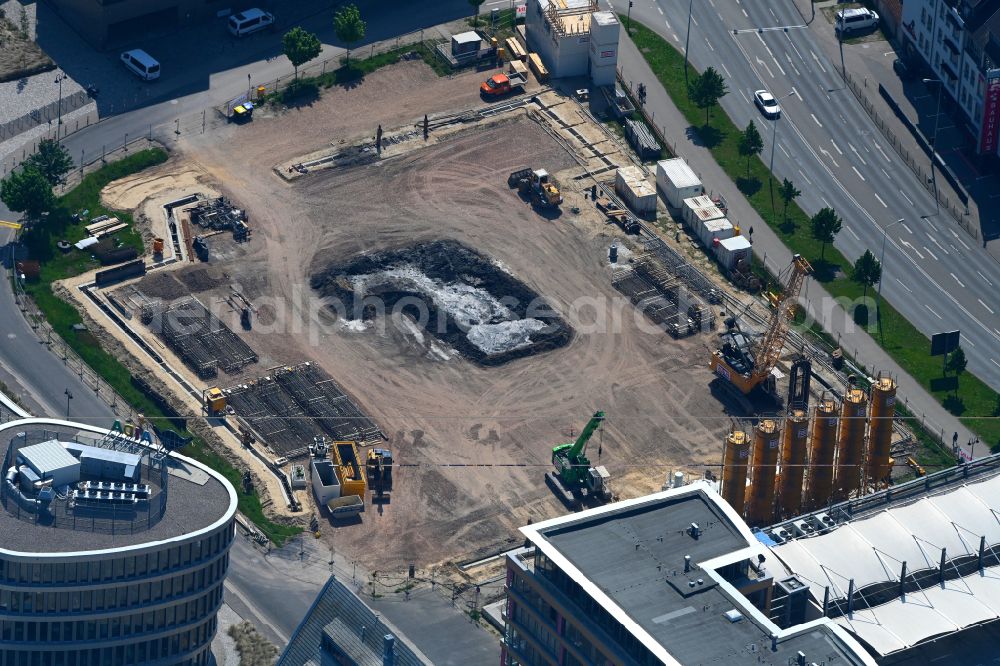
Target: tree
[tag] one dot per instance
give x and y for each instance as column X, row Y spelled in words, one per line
column 300, row 46
column 751, row 144
column 867, row 271
column 956, row 363
column 707, row 89
column 349, row 27
column 788, row 194
column 825, row 227
column 27, row 191
column 475, row 5
column 52, row 161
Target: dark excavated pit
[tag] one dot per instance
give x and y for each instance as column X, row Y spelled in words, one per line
column 466, row 300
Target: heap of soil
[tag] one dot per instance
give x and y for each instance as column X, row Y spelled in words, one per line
column 447, row 261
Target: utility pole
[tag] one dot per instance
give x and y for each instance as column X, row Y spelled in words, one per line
column 937, row 118
column 881, row 265
column 69, row 396
column 59, row 80
column 628, row 18
column 687, row 41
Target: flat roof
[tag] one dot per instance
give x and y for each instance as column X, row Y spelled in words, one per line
column 199, row 498
column 629, row 556
column 47, row 456
column 678, row 171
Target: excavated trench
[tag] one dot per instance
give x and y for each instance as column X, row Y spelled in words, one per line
column 461, row 297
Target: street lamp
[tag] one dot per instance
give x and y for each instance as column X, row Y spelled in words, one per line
column 69, row 396
column 937, row 117
column 59, row 80
column 687, row 41
column 774, row 140
column 881, row 265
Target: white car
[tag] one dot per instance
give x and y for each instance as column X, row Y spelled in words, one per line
column 249, row 21
column 767, row 104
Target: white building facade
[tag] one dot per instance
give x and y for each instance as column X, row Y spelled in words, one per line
column 573, row 38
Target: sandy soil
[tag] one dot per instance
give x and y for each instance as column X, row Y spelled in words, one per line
column 440, row 413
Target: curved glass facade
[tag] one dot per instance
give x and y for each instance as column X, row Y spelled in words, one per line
column 145, row 605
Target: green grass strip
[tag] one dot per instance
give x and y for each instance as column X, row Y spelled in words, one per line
column 974, row 401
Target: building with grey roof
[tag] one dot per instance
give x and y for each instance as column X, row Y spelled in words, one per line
column 113, row 550
column 671, row 578
column 340, row 630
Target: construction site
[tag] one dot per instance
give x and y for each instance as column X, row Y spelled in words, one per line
column 446, row 309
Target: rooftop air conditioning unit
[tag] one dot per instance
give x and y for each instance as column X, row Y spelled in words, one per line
column 803, row 528
column 824, row 522
column 778, row 536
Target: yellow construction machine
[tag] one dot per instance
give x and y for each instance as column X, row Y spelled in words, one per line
column 744, row 364
column 537, row 185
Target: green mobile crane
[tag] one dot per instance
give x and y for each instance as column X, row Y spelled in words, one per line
column 574, row 479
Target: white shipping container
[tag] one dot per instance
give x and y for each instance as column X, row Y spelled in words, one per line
column 721, row 229
column 677, row 181
column 731, row 250
column 699, row 209
column 632, row 186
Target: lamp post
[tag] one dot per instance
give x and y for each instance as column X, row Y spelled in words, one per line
column 774, row 140
column 628, row 18
column 881, row 264
column 937, row 118
column 59, row 80
column 69, row 396
column 687, row 41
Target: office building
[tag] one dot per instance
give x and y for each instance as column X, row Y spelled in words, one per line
column 106, row 23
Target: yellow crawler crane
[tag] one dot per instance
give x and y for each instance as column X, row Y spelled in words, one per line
column 745, row 364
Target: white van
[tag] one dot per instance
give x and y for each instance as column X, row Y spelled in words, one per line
column 248, row 21
column 142, row 64
column 849, row 20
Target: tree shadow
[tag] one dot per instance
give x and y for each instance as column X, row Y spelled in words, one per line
column 705, row 136
column 954, row 404
column 749, row 186
column 944, row 384
column 824, row 270
column 300, row 93
column 787, row 227
column 861, row 315
column 350, row 77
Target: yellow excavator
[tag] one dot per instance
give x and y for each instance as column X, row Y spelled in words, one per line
column 745, row 365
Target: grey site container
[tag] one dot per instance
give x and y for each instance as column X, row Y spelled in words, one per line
column 642, row 140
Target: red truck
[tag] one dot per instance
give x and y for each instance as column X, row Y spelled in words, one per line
column 502, row 84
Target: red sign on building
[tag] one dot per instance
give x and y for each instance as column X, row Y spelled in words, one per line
column 988, row 135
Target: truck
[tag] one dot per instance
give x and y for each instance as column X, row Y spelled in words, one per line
column 348, row 468
column 502, row 84
column 537, row 185
column 574, row 480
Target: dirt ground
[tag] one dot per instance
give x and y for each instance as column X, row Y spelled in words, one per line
column 441, row 413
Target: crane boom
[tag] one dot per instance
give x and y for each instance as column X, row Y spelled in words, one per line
column 580, row 445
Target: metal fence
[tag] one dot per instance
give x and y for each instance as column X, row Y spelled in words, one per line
column 956, row 209
column 49, row 113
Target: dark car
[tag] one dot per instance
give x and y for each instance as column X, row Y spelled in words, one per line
column 902, row 70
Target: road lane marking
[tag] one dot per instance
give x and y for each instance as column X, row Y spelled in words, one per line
column 884, row 205
column 784, row 151
column 935, row 241
column 827, row 153
column 694, row 20
column 659, row 9
column 911, row 247
column 725, row 70
column 780, row 68
column 904, row 285
column 825, row 202
column 960, row 283
column 886, row 173
column 744, row 12
column 794, row 90
column 764, row 65
column 839, row 151
column 928, row 251
column 668, row 24
column 856, row 237
column 959, row 239
column 932, row 311
column 815, row 119
column 676, row 38
column 744, row 96
column 709, row 44
column 711, row 2
column 879, row 148
column 985, row 278
column 792, row 63
column 816, row 58
column 995, row 363
column 907, row 227
column 851, row 146
column 985, row 306
column 858, row 172
column 908, row 200
column 970, row 342
column 805, row 177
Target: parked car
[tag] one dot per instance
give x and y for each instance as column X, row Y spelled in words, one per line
column 852, row 20
column 767, row 104
column 903, row 71
column 141, row 64
column 249, row 21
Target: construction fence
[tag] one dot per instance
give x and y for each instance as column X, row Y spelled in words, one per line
column 50, row 113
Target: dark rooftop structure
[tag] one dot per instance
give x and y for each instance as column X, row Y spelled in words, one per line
column 340, row 630
column 176, row 498
column 679, row 572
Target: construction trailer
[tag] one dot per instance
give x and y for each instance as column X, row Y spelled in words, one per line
column 677, row 182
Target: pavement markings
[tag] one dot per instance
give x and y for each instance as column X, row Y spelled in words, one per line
column 780, row 68
column 816, row 58
column 659, row 9
column 694, row 20
column 911, row 247
column 709, row 44
column 904, row 285
column 745, row 98
column 851, row 146
column 794, row 90
column 995, row 363
column 711, row 3
column 908, row 200
column 970, row 342
column 827, row 153
column 928, row 251
column 725, row 70
column 815, row 119
column 825, row 202
column 792, row 63
column 960, row 283
column 10, row 225
column 879, row 148
column 985, row 306
column 858, row 172
column 668, row 24
column 884, row 205
column 744, row 12
column 935, row 241
column 985, row 278
column 784, row 151
column 959, row 239
column 856, row 237
column 839, row 151
column 804, row 177
column 676, row 38
column 932, row 311
column 886, row 173
column 772, row 13
column 905, row 226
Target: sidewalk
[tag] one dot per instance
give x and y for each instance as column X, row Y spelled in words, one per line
column 821, row 305
column 869, row 64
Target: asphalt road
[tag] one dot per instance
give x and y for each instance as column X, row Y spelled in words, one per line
column 827, row 145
